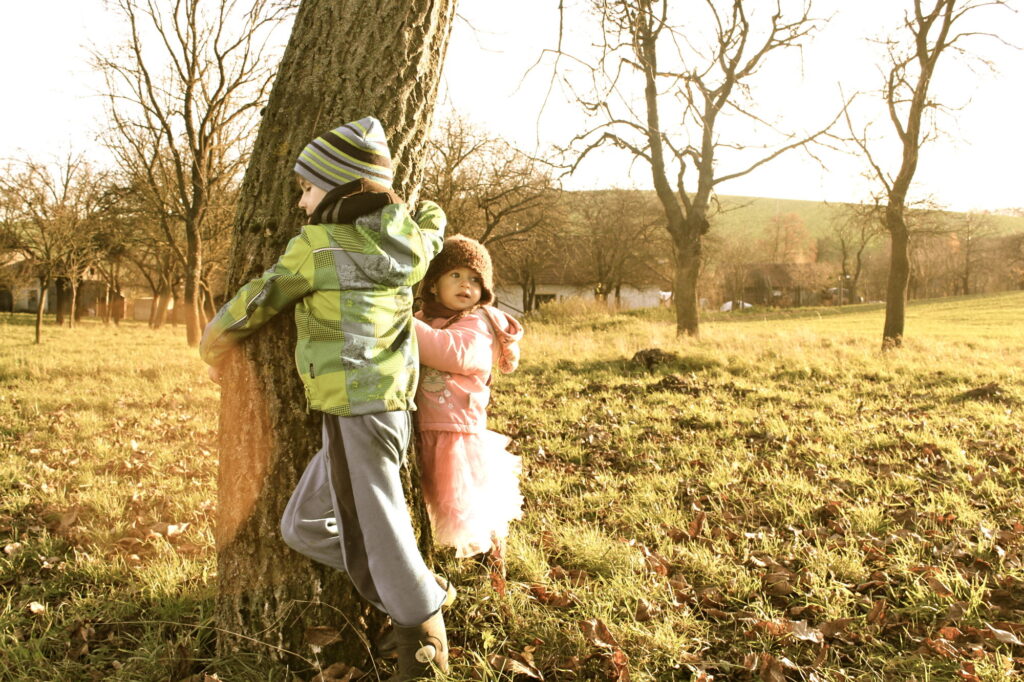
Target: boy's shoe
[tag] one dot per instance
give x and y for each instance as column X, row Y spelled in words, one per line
column 422, row 649
column 387, row 645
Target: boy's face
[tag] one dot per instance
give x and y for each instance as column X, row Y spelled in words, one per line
column 311, row 196
column 458, row 289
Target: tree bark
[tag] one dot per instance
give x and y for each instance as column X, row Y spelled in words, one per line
column 44, row 285
column 59, row 295
column 73, row 313
column 193, row 270
column 345, row 59
column 688, row 246
column 158, row 313
column 899, row 278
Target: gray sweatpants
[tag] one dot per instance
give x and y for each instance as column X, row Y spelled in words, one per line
column 348, row 511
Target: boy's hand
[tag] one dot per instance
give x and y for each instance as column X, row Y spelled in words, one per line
column 214, row 373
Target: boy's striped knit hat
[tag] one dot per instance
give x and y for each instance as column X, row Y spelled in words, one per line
column 354, row 150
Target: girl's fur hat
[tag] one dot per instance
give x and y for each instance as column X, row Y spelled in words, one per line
column 461, row 251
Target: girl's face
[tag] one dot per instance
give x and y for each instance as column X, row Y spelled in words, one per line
column 458, row 289
column 311, row 196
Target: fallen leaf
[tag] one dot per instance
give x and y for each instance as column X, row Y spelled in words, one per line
column 878, row 611
column 12, row 548
column 696, row 525
column 1004, row 636
column 768, row 668
column 576, row 577
column 498, row 583
column 956, row 611
column 655, row 562
column 506, row 664
column 645, row 610
column 801, row 630
column 941, row 647
column 618, row 665
column 675, row 534
column 834, row 627
column 550, row 597
column 968, row 673
column 322, row 635
column 338, row 672
column 36, row 608
column 598, row 633
column 772, row 628
column 938, row 586
column 949, row 632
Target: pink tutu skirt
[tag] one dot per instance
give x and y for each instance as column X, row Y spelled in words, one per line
column 471, row 488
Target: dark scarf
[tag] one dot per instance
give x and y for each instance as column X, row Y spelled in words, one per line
column 433, row 309
column 342, row 205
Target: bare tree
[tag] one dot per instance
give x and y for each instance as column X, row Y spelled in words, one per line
column 527, row 259
column 853, row 229
column 975, row 236
column 617, row 234
column 677, row 123
column 345, row 59
column 182, row 115
column 491, row 191
column 786, row 240
column 731, row 261
column 926, row 34
column 51, row 214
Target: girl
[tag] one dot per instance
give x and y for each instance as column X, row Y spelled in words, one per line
column 470, row 481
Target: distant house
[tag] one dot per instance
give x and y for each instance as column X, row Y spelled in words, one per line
column 510, row 296
column 19, row 287
column 787, row 284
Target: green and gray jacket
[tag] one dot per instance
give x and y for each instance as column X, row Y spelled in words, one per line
column 356, row 352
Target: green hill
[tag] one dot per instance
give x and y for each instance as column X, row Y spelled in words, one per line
column 743, row 215
column 750, row 214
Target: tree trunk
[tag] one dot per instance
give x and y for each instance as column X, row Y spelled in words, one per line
column 687, row 246
column 59, row 284
column 899, row 277
column 74, row 302
column 105, row 316
column 175, row 310
column 193, row 269
column 158, row 314
column 44, row 285
column 345, row 59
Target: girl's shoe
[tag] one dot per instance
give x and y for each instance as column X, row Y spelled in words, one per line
column 496, row 557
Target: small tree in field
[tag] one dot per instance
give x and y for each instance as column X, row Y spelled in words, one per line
column 975, row 236
column 525, row 260
column 853, row 230
column 930, row 29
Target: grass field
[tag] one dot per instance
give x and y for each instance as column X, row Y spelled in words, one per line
column 778, row 500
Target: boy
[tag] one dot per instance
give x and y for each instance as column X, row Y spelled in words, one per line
column 350, row 272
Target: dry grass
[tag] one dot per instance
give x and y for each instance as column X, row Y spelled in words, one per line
column 778, row 500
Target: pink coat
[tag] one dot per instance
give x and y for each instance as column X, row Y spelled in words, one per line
column 454, row 387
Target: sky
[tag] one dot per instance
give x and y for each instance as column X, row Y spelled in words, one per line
column 52, row 101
